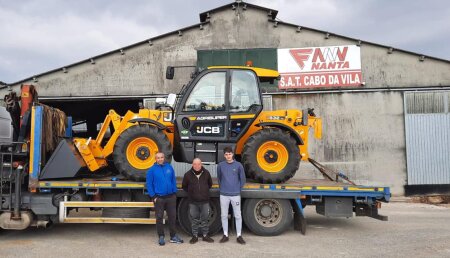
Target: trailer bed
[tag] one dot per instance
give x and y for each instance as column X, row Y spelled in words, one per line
column 294, row 188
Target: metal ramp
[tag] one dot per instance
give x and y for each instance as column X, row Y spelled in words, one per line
column 329, row 173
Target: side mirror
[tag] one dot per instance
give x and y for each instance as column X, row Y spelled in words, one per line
column 171, row 99
column 170, row 72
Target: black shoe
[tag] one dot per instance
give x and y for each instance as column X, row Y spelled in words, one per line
column 208, row 239
column 193, row 240
column 240, row 240
column 224, row 239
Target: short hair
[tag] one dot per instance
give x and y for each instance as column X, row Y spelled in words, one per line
column 160, row 152
column 227, row 149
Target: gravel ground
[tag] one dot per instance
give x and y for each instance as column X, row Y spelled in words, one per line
column 413, row 229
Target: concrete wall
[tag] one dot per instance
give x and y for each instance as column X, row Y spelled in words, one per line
column 363, row 135
column 363, row 132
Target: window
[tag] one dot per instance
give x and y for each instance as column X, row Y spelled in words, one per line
column 244, row 91
column 208, row 94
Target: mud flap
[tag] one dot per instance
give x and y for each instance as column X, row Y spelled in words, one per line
column 299, row 217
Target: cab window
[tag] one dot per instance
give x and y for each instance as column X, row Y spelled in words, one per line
column 208, row 94
column 244, row 91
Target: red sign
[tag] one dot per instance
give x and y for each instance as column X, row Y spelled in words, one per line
column 335, row 66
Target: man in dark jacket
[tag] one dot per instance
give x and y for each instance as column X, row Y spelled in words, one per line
column 197, row 182
column 162, row 186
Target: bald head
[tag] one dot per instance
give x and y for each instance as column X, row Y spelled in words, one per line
column 197, row 164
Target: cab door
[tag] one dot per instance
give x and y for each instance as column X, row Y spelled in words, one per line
column 245, row 102
column 202, row 118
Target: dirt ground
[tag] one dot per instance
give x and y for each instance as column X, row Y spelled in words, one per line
column 413, row 230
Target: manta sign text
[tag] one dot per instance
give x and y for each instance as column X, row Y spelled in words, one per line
column 314, row 67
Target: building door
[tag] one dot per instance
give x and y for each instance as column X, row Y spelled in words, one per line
column 427, row 125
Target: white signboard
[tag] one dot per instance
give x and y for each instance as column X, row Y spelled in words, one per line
column 335, row 66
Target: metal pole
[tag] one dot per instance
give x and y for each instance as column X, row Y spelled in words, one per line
column 17, row 188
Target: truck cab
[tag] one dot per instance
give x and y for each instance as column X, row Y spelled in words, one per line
column 6, row 129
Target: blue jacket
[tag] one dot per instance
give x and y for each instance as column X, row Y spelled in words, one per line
column 161, row 180
column 231, row 178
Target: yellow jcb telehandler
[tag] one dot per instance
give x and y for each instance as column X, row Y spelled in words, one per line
column 221, row 106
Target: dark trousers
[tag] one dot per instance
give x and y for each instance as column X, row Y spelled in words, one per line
column 199, row 217
column 168, row 203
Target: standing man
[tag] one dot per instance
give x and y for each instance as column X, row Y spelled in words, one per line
column 196, row 183
column 231, row 176
column 162, row 186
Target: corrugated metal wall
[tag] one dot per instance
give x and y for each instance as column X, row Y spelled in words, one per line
column 427, row 124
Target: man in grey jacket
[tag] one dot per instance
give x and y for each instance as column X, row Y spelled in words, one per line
column 231, row 176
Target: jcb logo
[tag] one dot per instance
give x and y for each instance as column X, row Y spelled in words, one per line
column 208, row 129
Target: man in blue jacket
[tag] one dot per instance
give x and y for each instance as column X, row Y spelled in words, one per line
column 162, row 186
column 231, row 176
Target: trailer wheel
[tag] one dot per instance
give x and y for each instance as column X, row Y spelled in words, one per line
column 267, row 217
column 135, row 149
column 215, row 224
column 271, row 156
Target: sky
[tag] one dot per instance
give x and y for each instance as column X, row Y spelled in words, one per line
column 41, row 35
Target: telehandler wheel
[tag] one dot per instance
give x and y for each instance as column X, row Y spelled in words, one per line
column 267, row 217
column 271, row 156
column 215, row 224
column 135, row 149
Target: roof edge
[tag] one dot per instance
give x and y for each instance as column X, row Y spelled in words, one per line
column 204, row 16
column 119, row 50
column 359, row 41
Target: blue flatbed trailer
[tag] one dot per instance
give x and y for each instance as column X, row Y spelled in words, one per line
column 267, row 209
column 332, row 199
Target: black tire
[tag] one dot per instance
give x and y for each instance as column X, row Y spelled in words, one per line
column 250, row 160
column 184, row 219
column 267, row 217
column 149, row 132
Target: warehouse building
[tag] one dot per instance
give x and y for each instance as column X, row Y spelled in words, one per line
column 385, row 111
